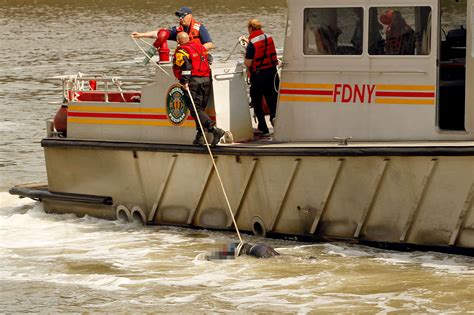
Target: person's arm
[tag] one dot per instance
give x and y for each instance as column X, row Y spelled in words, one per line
column 150, row 34
column 205, row 38
column 173, row 33
column 249, row 55
column 184, row 63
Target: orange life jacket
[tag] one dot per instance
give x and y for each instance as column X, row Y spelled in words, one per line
column 265, row 54
column 193, row 32
column 198, row 57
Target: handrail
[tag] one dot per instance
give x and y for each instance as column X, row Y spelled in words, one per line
column 98, row 78
column 217, row 76
column 75, row 83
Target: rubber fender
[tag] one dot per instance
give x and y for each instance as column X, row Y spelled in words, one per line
column 60, row 120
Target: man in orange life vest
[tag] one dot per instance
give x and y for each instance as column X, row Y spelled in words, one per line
column 196, row 31
column 191, row 68
column 261, row 60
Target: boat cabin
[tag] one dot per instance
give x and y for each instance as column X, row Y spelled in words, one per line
column 373, row 70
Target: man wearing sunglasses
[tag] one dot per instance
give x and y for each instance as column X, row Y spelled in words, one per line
column 196, row 31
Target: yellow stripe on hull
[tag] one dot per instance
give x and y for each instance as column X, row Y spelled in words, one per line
column 111, row 109
column 284, row 98
column 95, row 121
column 403, row 101
column 290, row 85
column 384, row 87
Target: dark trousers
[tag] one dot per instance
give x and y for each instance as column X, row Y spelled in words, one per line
column 263, row 83
column 200, row 88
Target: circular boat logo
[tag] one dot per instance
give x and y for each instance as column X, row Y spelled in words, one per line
column 176, row 109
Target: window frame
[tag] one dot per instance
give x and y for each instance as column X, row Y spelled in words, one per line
column 365, row 35
column 428, row 56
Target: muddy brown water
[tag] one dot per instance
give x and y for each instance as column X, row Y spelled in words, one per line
column 61, row 263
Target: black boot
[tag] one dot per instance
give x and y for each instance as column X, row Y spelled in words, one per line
column 199, row 139
column 218, row 134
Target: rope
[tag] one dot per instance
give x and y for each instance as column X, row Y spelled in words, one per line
column 146, row 55
column 118, row 84
column 241, row 41
column 147, row 43
column 226, row 59
column 217, row 172
column 274, row 81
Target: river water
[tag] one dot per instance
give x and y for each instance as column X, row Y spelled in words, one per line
column 61, row 263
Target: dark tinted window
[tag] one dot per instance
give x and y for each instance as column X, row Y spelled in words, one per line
column 333, row 31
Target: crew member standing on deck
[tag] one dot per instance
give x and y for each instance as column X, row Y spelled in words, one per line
column 191, row 68
column 261, row 61
column 196, row 31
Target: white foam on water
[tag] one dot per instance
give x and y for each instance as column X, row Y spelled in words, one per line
column 450, row 264
column 10, row 203
column 260, row 283
column 162, row 266
column 48, row 241
column 181, row 299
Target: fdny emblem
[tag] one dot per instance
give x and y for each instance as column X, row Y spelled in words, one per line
column 176, row 109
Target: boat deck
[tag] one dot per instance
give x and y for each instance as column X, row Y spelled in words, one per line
column 269, row 143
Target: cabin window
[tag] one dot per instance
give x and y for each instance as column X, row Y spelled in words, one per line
column 333, row 31
column 400, row 31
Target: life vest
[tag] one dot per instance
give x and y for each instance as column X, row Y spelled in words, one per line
column 198, row 56
column 265, row 53
column 193, row 32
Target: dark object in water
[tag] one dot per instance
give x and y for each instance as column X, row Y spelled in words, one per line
column 260, row 250
column 230, row 251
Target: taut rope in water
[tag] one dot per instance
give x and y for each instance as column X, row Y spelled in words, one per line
column 218, row 174
column 146, row 55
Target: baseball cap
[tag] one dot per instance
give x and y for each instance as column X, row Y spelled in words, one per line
column 183, row 11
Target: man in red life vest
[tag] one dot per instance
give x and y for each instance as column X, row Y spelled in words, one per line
column 261, row 60
column 196, row 31
column 191, row 68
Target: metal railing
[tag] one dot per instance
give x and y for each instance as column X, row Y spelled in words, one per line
column 76, row 83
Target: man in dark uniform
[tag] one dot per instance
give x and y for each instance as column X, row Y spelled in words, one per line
column 191, row 68
column 196, row 31
column 262, row 61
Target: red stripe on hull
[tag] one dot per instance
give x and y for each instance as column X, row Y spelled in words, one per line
column 116, row 115
column 130, row 116
column 405, row 94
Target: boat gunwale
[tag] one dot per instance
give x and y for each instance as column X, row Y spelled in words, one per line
column 270, row 148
